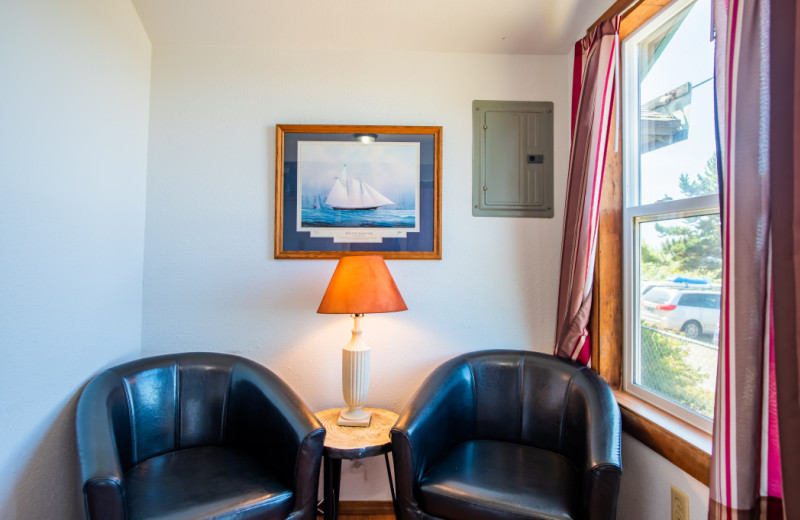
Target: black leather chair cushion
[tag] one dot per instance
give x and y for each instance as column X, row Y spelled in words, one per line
column 206, row 482
column 488, row 480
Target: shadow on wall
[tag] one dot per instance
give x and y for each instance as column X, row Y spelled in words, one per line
column 48, row 486
column 536, row 258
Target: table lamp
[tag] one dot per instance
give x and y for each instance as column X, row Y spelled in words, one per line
column 359, row 285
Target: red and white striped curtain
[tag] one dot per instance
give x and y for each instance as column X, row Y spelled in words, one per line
column 593, row 86
column 757, row 122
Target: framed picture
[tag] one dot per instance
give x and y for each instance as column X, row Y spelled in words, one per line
column 349, row 190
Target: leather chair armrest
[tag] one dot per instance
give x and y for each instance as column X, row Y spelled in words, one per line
column 601, row 487
column 101, row 471
column 593, row 405
column 438, row 417
column 269, row 418
column 603, row 468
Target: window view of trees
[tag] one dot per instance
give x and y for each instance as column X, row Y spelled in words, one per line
column 681, row 269
column 692, row 247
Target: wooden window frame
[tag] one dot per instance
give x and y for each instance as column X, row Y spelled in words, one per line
column 685, row 445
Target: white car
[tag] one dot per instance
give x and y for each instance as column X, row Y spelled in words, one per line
column 691, row 311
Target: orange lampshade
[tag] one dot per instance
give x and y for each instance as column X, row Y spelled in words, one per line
column 361, row 285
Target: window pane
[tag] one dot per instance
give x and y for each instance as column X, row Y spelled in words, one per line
column 680, row 271
column 691, row 300
column 677, row 147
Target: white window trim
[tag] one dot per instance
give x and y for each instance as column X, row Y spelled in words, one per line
column 634, row 214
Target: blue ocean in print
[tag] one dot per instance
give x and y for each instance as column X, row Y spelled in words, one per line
column 368, row 218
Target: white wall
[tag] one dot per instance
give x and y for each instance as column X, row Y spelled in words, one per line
column 210, row 280
column 646, row 484
column 73, row 149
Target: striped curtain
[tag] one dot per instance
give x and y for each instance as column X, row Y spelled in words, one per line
column 785, row 210
column 593, row 83
column 757, row 123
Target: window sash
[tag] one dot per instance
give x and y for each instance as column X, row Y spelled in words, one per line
column 629, row 61
column 635, row 214
column 633, row 217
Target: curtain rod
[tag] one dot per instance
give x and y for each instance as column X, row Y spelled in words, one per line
column 620, row 7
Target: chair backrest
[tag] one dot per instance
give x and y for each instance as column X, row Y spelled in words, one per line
column 537, row 399
column 164, row 403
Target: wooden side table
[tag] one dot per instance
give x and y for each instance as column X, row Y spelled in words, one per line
column 352, row 442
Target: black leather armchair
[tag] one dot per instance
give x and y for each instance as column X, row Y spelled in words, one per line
column 191, row 436
column 503, row 434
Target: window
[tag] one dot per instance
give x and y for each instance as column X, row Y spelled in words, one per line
column 672, row 243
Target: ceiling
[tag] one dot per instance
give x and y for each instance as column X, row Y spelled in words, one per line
column 473, row 26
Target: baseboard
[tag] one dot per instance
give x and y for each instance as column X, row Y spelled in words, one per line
column 366, row 507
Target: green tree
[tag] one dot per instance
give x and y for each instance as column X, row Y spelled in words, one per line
column 655, row 265
column 704, row 183
column 694, row 246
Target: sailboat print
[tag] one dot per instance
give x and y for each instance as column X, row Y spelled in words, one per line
column 352, row 194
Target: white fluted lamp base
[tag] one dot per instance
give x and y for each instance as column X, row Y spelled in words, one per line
column 355, row 379
column 354, row 417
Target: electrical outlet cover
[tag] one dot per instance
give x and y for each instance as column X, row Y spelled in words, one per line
column 680, row 504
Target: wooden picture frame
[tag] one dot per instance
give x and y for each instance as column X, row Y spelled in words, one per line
column 345, row 190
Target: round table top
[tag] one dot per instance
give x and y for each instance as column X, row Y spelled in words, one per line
column 355, row 442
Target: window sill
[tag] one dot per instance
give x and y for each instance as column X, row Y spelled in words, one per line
column 684, row 445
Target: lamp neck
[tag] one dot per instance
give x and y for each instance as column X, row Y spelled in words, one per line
column 356, row 322
column 356, row 343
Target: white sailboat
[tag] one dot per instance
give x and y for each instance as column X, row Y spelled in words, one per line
column 351, row 194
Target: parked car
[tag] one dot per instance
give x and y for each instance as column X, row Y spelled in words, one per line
column 691, row 311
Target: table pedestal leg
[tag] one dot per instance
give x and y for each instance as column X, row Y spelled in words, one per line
column 391, row 482
column 330, row 483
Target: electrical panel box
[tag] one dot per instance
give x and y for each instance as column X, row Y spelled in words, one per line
column 512, row 159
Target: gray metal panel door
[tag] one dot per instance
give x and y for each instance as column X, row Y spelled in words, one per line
column 513, row 159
